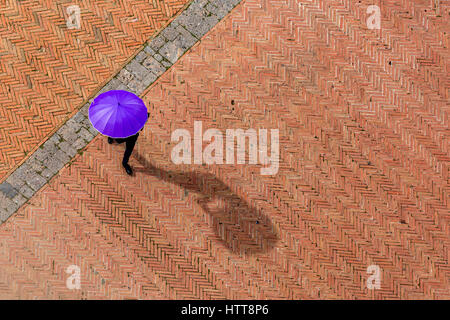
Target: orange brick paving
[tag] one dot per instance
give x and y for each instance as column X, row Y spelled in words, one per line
column 47, row 70
column 362, row 180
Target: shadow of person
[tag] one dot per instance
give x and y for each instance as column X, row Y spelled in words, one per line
column 242, row 229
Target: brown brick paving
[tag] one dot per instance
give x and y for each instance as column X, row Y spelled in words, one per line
column 363, row 176
column 47, row 70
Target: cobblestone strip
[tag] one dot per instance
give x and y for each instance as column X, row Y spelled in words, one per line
column 157, row 56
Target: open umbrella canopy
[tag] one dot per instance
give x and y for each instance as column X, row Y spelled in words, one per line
column 118, row 113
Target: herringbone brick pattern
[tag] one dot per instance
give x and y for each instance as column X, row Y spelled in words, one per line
column 48, row 70
column 363, row 179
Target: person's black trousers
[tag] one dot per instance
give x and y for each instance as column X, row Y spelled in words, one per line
column 130, row 143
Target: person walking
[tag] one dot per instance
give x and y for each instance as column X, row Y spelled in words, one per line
column 119, row 115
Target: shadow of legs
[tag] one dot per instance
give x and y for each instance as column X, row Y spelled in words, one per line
column 240, row 226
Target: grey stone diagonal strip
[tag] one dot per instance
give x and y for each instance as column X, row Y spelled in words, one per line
column 157, row 56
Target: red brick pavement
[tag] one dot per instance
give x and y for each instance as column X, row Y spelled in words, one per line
column 47, row 70
column 363, row 176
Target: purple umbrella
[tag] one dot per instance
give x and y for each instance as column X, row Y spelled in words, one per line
column 118, row 113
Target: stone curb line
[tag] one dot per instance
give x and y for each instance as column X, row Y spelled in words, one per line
column 157, row 56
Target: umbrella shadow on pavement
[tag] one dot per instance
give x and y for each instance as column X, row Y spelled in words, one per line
column 234, row 221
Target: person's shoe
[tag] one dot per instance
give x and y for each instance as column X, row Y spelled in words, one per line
column 128, row 169
column 110, row 140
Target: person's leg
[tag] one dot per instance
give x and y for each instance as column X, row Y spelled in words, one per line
column 130, row 143
column 117, row 140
